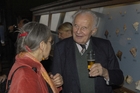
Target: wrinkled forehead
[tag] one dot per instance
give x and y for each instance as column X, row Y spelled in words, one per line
column 86, row 19
column 85, row 16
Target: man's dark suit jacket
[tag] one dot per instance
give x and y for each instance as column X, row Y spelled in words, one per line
column 65, row 64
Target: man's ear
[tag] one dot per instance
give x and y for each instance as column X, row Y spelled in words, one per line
column 94, row 31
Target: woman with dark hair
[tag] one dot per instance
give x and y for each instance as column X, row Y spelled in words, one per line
column 29, row 76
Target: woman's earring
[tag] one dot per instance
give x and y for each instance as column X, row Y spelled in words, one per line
column 43, row 58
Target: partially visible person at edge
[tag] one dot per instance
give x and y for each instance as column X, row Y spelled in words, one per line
column 69, row 62
column 2, row 38
column 65, row 30
column 2, row 41
column 13, row 33
column 33, row 45
column 13, row 30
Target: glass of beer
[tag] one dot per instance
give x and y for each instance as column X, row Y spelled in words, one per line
column 90, row 59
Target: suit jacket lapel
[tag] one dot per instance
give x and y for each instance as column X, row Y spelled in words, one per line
column 71, row 60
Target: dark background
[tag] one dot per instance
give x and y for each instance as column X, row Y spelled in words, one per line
column 13, row 10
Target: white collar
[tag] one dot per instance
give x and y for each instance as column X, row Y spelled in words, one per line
column 80, row 48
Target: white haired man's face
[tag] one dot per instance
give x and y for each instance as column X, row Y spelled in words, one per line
column 83, row 28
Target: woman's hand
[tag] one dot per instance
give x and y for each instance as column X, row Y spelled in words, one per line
column 57, row 79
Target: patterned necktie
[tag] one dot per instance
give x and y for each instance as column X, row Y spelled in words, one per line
column 83, row 49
